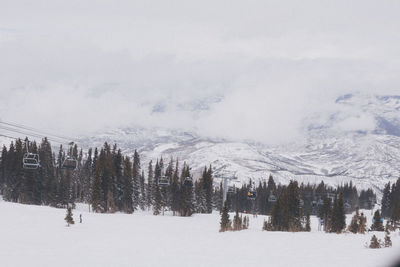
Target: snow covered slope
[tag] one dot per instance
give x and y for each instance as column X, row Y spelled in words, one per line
column 37, row 236
column 358, row 140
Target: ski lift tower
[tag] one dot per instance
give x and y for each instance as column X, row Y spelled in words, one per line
column 225, row 187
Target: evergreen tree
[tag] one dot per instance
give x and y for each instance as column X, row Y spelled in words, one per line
column 97, row 193
column 395, row 212
column 308, row 223
column 127, row 196
column 354, row 226
column 135, row 179
column 362, row 224
column 187, row 196
column 157, row 206
column 68, row 218
column 388, row 240
column 294, row 209
column 386, row 201
column 175, row 191
column 225, row 222
column 207, row 188
column 377, row 224
column 118, row 179
column 237, row 222
column 374, row 242
column 150, row 184
column 245, row 223
column 200, row 197
column 338, row 218
column 142, row 202
column 88, row 173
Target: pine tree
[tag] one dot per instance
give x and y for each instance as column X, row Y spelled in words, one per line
column 338, row 218
column 374, row 242
column 118, row 178
column 175, row 191
column 150, row 185
column 142, row 202
column 187, row 196
column 237, row 224
column 127, row 197
column 386, row 201
column 362, row 224
column 377, row 224
column 388, row 241
column 135, row 179
column 157, row 206
column 68, row 218
column 207, row 188
column 308, row 223
column 225, row 222
column 354, row 226
column 97, row 193
column 294, row 209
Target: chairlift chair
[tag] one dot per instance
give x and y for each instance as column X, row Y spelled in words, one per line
column 164, row 181
column 69, row 163
column 231, row 190
column 188, row 181
column 347, row 206
column 331, row 196
column 314, row 203
column 252, row 194
column 30, row 161
column 272, row 198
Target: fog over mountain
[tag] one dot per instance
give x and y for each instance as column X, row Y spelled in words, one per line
column 361, row 143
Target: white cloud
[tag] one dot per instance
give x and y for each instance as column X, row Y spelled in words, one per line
column 357, row 123
column 77, row 66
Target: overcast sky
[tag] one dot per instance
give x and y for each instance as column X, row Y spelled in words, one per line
column 240, row 69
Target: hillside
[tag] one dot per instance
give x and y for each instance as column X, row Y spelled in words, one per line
column 37, row 236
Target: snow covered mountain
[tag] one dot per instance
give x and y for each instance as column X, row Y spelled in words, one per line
column 358, row 140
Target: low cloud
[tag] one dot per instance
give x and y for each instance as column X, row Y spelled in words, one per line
column 258, row 71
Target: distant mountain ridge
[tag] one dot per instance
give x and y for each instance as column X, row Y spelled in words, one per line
column 359, row 141
column 369, row 156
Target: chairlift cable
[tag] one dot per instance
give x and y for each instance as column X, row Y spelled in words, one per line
column 31, row 134
column 37, row 131
column 7, row 136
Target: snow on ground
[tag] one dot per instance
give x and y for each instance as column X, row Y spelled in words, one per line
column 37, row 236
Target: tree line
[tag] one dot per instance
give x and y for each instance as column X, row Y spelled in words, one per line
column 112, row 182
column 106, row 179
column 313, row 199
column 391, row 201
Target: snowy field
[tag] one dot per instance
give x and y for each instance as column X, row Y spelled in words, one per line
column 37, row 236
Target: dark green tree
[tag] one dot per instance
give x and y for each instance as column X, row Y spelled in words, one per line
column 374, row 242
column 68, row 218
column 377, row 224
column 308, row 223
column 225, row 223
column 388, row 240
column 354, row 226
column 338, row 218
